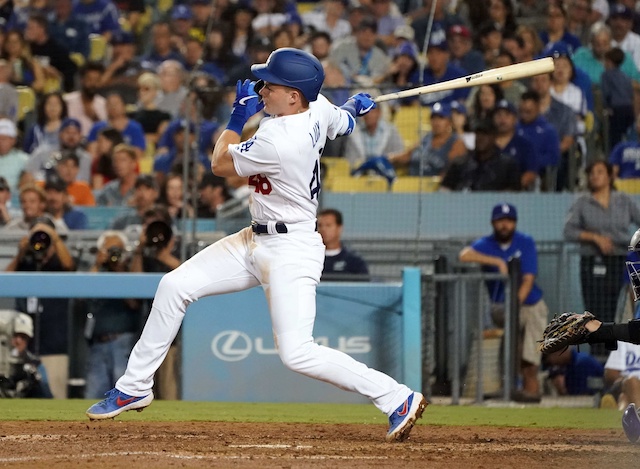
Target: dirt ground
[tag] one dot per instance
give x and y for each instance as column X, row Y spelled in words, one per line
column 133, row 445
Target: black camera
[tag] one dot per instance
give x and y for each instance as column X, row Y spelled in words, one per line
column 158, row 234
column 39, row 242
column 114, row 255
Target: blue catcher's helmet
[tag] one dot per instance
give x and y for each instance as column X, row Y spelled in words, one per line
column 294, row 68
column 633, row 264
column 631, row 423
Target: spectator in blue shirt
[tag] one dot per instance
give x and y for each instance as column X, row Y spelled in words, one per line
column 101, row 16
column 441, row 69
column 493, row 253
column 131, row 130
column 68, row 29
column 339, row 262
column 161, row 48
column 516, row 146
column 540, row 133
column 571, row 372
column 625, row 158
column 463, row 54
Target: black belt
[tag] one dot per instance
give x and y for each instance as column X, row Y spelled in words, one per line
column 262, row 229
column 103, row 338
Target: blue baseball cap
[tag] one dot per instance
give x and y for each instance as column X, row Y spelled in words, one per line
column 620, row 11
column 181, row 12
column 441, row 110
column 438, row 41
column 504, row 210
column 68, row 122
column 507, row 106
column 458, row 107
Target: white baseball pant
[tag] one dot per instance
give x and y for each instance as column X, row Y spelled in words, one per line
column 288, row 266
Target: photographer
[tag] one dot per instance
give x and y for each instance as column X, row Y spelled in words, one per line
column 24, row 375
column 43, row 250
column 154, row 253
column 112, row 323
column 157, row 244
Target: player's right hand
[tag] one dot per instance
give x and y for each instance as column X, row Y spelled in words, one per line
column 364, row 103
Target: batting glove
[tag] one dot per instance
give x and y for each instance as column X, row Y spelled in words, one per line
column 246, row 104
column 359, row 104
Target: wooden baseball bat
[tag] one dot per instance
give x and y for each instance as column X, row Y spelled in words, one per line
column 488, row 77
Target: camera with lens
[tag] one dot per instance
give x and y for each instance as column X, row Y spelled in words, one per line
column 114, row 256
column 39, row 243
column 158, row 234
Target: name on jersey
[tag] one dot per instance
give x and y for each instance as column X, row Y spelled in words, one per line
column 315, row 134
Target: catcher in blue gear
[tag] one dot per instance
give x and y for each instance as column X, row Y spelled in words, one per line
column 584, row 328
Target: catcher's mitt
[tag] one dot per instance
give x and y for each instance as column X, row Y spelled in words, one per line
column 564, row 330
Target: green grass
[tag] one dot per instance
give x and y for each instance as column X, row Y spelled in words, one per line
column 172, row 411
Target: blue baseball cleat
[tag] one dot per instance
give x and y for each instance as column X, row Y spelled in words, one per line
column 404, row 417
column 116, row 403
column 631, row 423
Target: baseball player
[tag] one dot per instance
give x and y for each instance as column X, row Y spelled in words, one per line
column 569, row 329
column 281, row 250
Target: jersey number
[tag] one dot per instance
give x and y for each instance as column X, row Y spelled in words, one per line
column 261, row 183
column 315, row 185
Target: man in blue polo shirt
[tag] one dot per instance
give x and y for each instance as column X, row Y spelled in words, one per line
column 542, row 135
column 494, row 252
column 505, row 116
column 441, row 69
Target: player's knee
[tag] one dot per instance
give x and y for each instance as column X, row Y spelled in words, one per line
column 171, row 288
column 295, row 357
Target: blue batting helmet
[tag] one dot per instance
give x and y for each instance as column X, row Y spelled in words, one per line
column 294, row 68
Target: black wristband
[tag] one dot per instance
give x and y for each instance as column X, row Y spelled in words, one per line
column 610, row 332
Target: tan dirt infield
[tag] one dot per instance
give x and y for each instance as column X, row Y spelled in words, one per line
column 136, row 445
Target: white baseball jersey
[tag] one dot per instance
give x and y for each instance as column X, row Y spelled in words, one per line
column 282, row 161
column 626, row 359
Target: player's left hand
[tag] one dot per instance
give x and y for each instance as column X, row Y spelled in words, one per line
column 364, row 103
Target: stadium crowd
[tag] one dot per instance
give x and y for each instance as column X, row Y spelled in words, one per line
column 104, row 103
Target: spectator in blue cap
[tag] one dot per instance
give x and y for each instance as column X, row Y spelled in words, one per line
column 461, row 127
column 493, row 253
column 181, row 25
column 621, row 22
column 441, row 69
column 505, row 116
column 542, row 135
column 42, row 160
column 403, row 70
column 121, row 74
